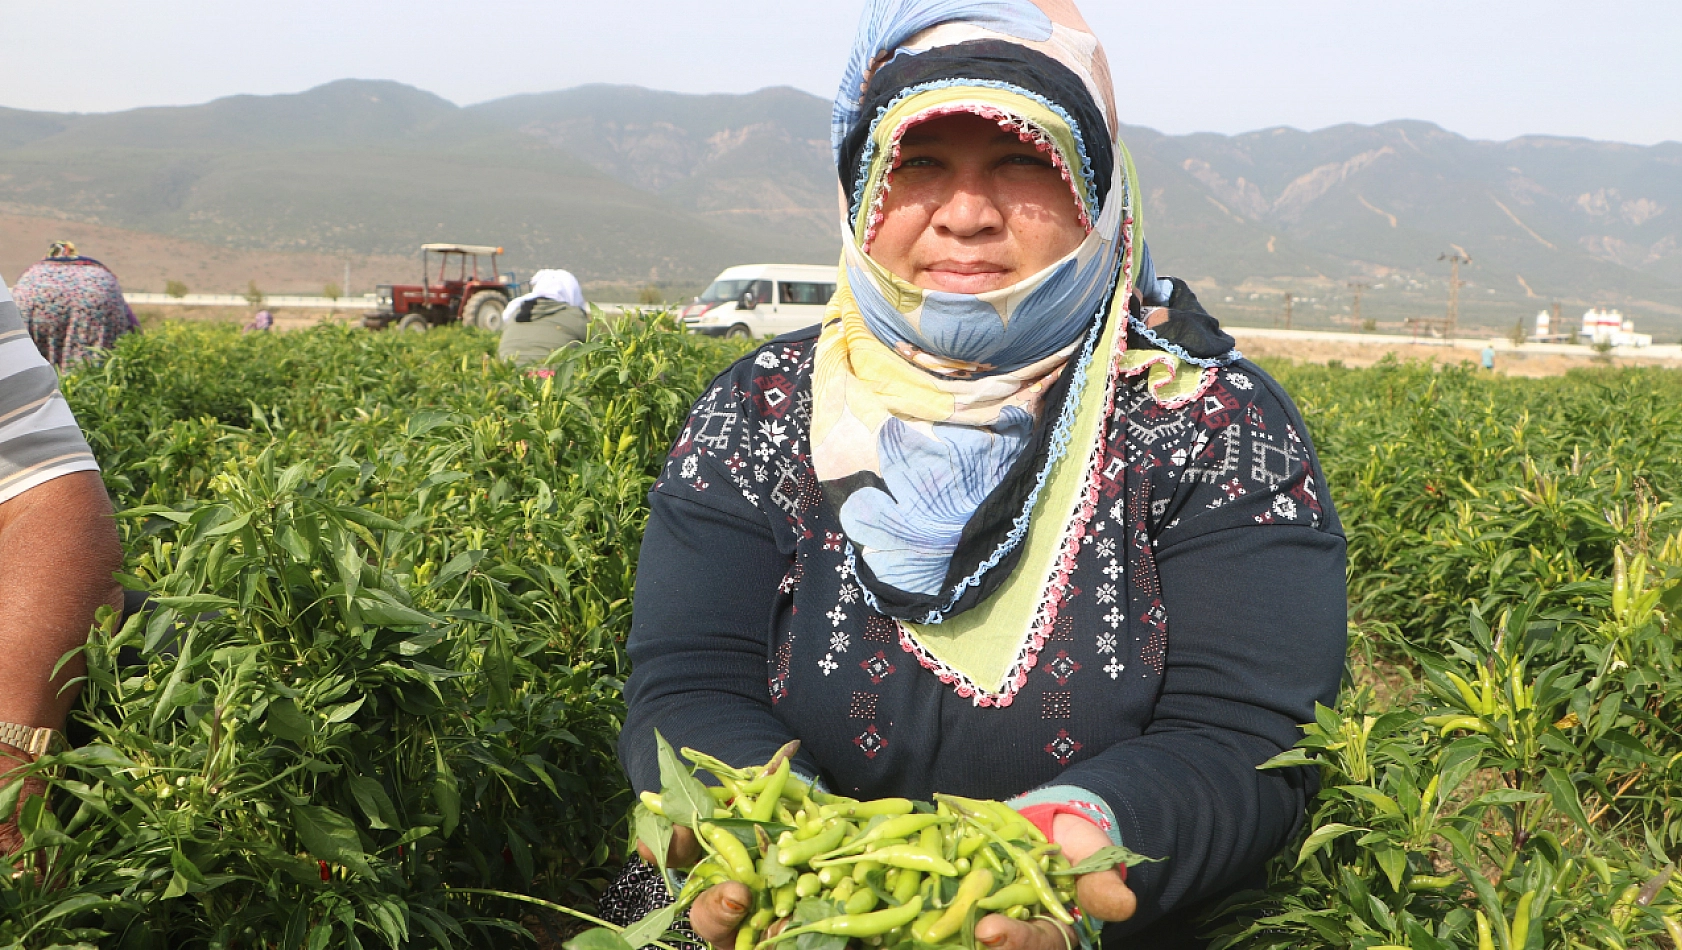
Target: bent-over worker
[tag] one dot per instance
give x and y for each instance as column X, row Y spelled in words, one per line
column 553, row 315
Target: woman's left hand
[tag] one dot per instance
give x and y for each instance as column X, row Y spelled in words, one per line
column 1101, row 894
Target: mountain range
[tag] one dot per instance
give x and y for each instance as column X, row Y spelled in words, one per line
column 629, row 186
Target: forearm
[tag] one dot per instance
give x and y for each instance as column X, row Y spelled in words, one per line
column 707, row 584
column 58, row 551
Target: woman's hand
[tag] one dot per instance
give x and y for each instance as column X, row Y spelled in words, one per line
column 1102, row 894
column 720, row 909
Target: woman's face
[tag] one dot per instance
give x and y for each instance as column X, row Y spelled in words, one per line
column 973, row 208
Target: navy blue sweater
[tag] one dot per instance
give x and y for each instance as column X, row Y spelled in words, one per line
column 1203, row 619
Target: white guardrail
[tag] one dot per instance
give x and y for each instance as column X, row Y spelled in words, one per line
column 1499, row 344
column 278, row 301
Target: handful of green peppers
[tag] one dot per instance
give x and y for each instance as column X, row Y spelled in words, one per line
column 826, row 869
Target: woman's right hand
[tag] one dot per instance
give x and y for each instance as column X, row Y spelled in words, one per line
column 720, row 909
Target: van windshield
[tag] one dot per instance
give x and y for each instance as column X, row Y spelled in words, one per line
column 724, row 290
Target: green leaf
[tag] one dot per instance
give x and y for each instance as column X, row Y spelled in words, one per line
column 684, row 798
column 1564, row 793
column 371, row 798
column 381, row 610
column 1108, row 857
column 1372, row 796
column 286, row 721
column 446, row 795
column 598, row 938
column 195, row 603
column 459, row 565
column 1393, row 861
column 651, row 927
column 1322, row 836
column 655, row 832
column 330, row 836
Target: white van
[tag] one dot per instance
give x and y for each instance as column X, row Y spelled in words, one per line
column 755, row 300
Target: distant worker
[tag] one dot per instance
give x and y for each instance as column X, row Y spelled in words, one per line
column 543, row 321
column 259, row 323
column 1488, row 356
column 58, row 549
column 72, row 306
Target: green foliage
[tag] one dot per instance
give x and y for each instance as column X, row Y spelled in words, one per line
column 398, row 573
column 253, row 295
column 1515, row 564
column 175, row 288
column 332, row 291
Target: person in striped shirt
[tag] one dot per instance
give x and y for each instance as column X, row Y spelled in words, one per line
column 58, row 552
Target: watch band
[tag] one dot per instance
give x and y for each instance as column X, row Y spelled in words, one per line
column 35, row 740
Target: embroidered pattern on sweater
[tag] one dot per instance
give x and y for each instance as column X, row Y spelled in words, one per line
column 1103, row 618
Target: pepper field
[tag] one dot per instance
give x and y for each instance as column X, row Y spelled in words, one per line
column 392, row 581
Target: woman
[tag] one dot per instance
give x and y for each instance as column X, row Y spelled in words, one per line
column 72, row 305
column 553, row 315
column 1017, row 522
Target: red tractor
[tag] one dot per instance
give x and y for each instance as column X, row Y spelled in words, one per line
column 452, row 288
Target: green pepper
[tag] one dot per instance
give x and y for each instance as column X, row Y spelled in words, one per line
column 765, row 806
column 746, row 938
column 858, row 925
column 782, row 899
column 969, row 844
column 908, row 884
column 1029, row 869
column 902, row 826
column 807, row 885
column 653, row 802
column 863, row 901
column 843, row 889
column 920, row 928
column 792, row 852
column 733, row 854
column 902, row 856
column 864, row 869
column 881, row 806
column 975, row 886
column 1020, row 894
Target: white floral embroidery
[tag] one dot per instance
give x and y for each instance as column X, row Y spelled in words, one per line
column 844, row 569
column 760, row 474
column 767, row 359
column 1105, row 593
column 1106, row 548
column 836, row 616
column 1113, row 570
column 1116, row 511
column 1284, row 507
column 1114, row 617
column 773, row 431
column 828, row 664
column 691, row 466
column 849, row 593
column 1106, row 643
column 1114, row 667
column 1239, row 381
column 838, row 641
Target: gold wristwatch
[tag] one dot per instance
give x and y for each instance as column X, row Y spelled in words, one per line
column 35, row 740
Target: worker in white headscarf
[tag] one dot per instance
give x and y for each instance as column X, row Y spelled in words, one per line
column 553, row 315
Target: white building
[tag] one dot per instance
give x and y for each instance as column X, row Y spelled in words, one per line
column 1609, row 326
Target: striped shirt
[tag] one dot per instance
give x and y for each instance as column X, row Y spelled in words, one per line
column 39, row 438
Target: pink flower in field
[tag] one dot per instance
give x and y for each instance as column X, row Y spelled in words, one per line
column 542, row 372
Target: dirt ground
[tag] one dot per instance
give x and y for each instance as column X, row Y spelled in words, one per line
column 1366, row 354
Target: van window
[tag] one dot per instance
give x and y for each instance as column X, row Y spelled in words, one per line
column 808, row 293
column 724, row 291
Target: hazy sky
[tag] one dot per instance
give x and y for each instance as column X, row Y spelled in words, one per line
column 1489, row 69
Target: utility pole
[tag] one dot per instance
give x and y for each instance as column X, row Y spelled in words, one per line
column 346, row 291
column 1357, row 286
column 1453, row 319
column 1288, row 299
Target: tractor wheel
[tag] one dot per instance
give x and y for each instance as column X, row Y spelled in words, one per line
column 738, row 332
column 484, row 310
column 415, row 322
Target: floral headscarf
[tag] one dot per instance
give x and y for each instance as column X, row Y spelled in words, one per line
column 937, row 416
